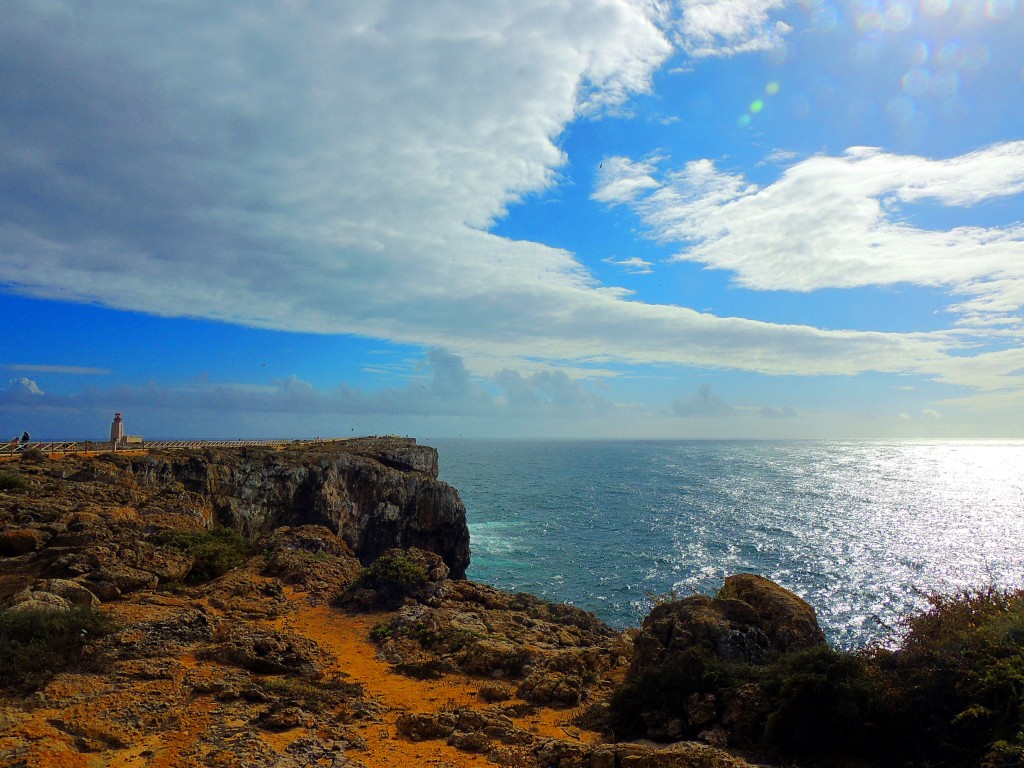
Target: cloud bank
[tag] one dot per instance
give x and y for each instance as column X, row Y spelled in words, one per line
column 336, row 170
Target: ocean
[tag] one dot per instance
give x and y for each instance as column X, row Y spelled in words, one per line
column 863, row 530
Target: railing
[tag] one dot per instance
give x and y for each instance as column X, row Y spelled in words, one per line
column 72, row 447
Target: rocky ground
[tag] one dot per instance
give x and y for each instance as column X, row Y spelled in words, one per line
column 295, row 655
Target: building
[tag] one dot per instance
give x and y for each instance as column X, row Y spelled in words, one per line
column 117, row 430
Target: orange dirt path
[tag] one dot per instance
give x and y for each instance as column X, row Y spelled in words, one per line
column 347, row 638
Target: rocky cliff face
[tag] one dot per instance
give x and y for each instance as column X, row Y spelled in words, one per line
column 374, row 493
column 320, row 626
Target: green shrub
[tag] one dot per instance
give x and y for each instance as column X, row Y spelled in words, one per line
column 951, row 695
column 34, row 456
column 11, row 482
column 35, row 645
column 824, row 702
column 958, row 679
column 648, row 702
column 393, row 576
column 213, row 552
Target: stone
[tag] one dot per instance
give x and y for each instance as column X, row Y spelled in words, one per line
column 125, row 578
column 72, row 591
column 39, row 601
column 21, row 541
column 270, row 652
column 789, row 622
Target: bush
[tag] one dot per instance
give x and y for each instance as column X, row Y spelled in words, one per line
column 213, row 552
column 951, row 695
column 36, row 645
column 393, row 576
column 958, row 679
column 34, row 456
column 11, row 482
column 824, row 702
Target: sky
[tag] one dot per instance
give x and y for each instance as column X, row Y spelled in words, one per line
column 490, row 218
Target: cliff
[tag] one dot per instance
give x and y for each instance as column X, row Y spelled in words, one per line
column 373, row 493
column 297, row 607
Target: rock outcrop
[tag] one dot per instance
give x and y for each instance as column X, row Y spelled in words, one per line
column 97, row 521
column 750, row 617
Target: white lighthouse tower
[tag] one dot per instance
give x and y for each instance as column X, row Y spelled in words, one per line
column 117, row 431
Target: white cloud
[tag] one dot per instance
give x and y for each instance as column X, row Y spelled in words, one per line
column 335, row 172
column 728, row 27
column 770, row 412
column 21, row 390
column 838, row 222
column 76, row 370
column 633, row 265
column 620, row 180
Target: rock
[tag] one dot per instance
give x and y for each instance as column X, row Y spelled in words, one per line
column 552, row 688
column 789, row 622
column 374, row 494
column 125, row 578
column 730, row 626
column 104, row 590
column 494, row 692
column 495, row 658
column 270, row 652
column 39, row 601
column 474, row 741
column 21, row 541
column 72, row 591
column 417, row 726
column 285, row 719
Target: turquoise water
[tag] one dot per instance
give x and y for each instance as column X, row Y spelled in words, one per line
column 863, row 530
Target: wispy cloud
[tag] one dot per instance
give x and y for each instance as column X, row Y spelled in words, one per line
column 445, row 387
column 633, row 265
column 704, row 403
column 840, row 222
column 75, row 370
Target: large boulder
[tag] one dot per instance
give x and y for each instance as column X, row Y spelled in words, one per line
column 789, row 622
column 750, row 617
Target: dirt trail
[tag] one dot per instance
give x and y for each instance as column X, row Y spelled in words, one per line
column 347, row 638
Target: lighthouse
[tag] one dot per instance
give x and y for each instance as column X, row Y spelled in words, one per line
column 117, row 430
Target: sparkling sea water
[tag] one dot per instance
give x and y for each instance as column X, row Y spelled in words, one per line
column 861, row 529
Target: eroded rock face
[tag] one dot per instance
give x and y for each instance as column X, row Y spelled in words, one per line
column 553, row 654
column 750, row 617
column 374, row 494
column 98, row 521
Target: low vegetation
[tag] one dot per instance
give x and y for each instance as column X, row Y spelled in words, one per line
column 392, row 576
column 34, row 456
column 36, row 645
column 12, row 483
column 952, row 694
column 214, row 552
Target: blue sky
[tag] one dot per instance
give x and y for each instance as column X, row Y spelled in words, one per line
column 572, row 218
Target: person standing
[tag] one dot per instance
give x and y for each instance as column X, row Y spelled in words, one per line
column 25, row 438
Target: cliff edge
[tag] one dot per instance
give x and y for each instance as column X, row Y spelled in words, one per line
column 303, row 606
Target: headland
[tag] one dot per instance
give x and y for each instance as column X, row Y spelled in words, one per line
column 306, row 605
